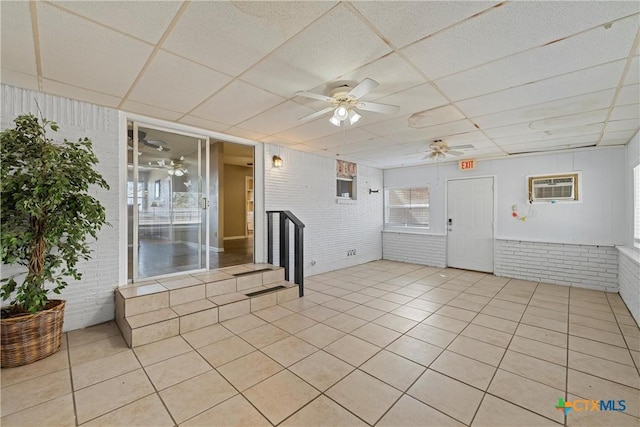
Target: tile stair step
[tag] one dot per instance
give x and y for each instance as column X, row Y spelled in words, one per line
column 171, row 320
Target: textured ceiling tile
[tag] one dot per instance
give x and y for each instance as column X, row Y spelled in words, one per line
column 277, row 119
column 494, row 35
column 585, row 131
column 626, row 112
column 232, row 36
column 310, row 130
column 584, row 50
column 622, row 125
column 15, row 78
column 330, row 47
column 550, row 124
column 147, row 20
column 69, row 91
column 431, row 133
column 83, row 54
column 628, row 94
column 562, row 107
column 552, row 145
column 16, row 44
column 237, row 102
column 150, row 110
column 204, row 124
column 633, row 75
column 159, row 85
column 591, row 80
column 416, row 99
column 403, row 22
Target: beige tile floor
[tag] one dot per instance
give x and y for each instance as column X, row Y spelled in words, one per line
column 383, row 343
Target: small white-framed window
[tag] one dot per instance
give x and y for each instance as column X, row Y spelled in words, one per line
column 636, row 206
column 407, row 207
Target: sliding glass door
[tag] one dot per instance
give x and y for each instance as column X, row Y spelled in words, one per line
column 166, row 198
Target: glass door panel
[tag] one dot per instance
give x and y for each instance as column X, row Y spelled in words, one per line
column 168, row 202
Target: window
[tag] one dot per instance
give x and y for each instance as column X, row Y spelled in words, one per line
column 636, row 206
column 407, row 207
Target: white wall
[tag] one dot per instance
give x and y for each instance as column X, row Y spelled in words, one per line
column 594, row 225
column 629, row 257
column 306, row 186
column 596, row 220
column 89, row 301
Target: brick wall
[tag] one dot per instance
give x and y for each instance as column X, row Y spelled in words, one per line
column 629, row 278
column 306, row 186
column 415, row 248
column 89, row 301
column 585, row 266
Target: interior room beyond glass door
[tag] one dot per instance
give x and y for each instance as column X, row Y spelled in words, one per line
column 167, row 210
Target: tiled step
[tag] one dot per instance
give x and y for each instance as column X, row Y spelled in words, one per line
column 154, row 310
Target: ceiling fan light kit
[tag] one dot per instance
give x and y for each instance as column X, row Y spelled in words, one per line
column 345, row 99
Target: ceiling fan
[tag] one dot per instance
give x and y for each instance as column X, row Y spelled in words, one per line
column 345, row 101
column 155, row 144
column 439, row 149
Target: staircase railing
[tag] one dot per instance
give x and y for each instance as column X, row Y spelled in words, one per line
column 285, row 217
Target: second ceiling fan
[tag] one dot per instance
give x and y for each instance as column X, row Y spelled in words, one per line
column 345, row 101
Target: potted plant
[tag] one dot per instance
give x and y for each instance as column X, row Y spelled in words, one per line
column 47, row 216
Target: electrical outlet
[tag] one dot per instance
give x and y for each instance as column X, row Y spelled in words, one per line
column 351, row 252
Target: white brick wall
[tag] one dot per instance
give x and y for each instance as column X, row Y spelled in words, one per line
column 89, row 301
column 585, row 266
column 415, row 248
column 306, row 186
column 629, row 278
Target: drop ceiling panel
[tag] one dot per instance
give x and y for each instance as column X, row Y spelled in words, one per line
column 330, row 47
column 278, row 141
column 16, row 44
column 403, row 22
column 341, row 139
column 611, row 136
column 15, row 78
column 365, row 146
column 277, row 119
column 150, row 110
column 310, row 130
column 239, row 34
column 244, row 133
column 434, row 116
column 237, row 102
column 593, row 47
column 159, row 85
column 558, row 134
column 562, row 107
column 393, row 73
column 204, row 124
column 549, row 124
column 147, row 20
column 442, row 131
column 57, row 88
column 580, row 82
column 628, row 95
column 553, row 145
column 493, row 35
column 388, row 127
column 419, row 98
column 83, row 54
column 626, row 112
column 622, row 125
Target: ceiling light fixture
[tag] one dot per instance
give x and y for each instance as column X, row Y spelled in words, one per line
column 343, row 113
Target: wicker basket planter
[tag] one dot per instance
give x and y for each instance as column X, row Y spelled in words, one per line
column 30, row 337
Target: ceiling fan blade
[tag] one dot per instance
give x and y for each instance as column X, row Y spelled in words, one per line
column 316, row 96
column 378, row 108
column 363, row 88
column 455, row 153
column 316, row 114
column 461, row 147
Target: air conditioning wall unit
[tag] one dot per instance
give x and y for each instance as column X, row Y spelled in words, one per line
column 561, row 187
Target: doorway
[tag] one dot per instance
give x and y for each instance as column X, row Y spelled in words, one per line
column 470, row 219
column 166, row 201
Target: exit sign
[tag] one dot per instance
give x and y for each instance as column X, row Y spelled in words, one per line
column 467, row 165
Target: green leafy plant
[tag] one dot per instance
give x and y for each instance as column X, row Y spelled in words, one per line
column 47, row 211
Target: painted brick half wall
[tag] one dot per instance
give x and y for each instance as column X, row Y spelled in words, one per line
column 89, row 301
column 629, row 272
column 425, row 249
column 585, row 266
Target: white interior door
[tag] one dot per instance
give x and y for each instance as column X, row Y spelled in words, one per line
column 470, row 224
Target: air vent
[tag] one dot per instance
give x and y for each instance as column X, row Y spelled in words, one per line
column 560, row 187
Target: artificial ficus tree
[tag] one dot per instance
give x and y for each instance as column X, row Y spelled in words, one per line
column 47, row 210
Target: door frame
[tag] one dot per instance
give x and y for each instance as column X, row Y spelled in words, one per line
column 494, row 222
column 192, row 131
